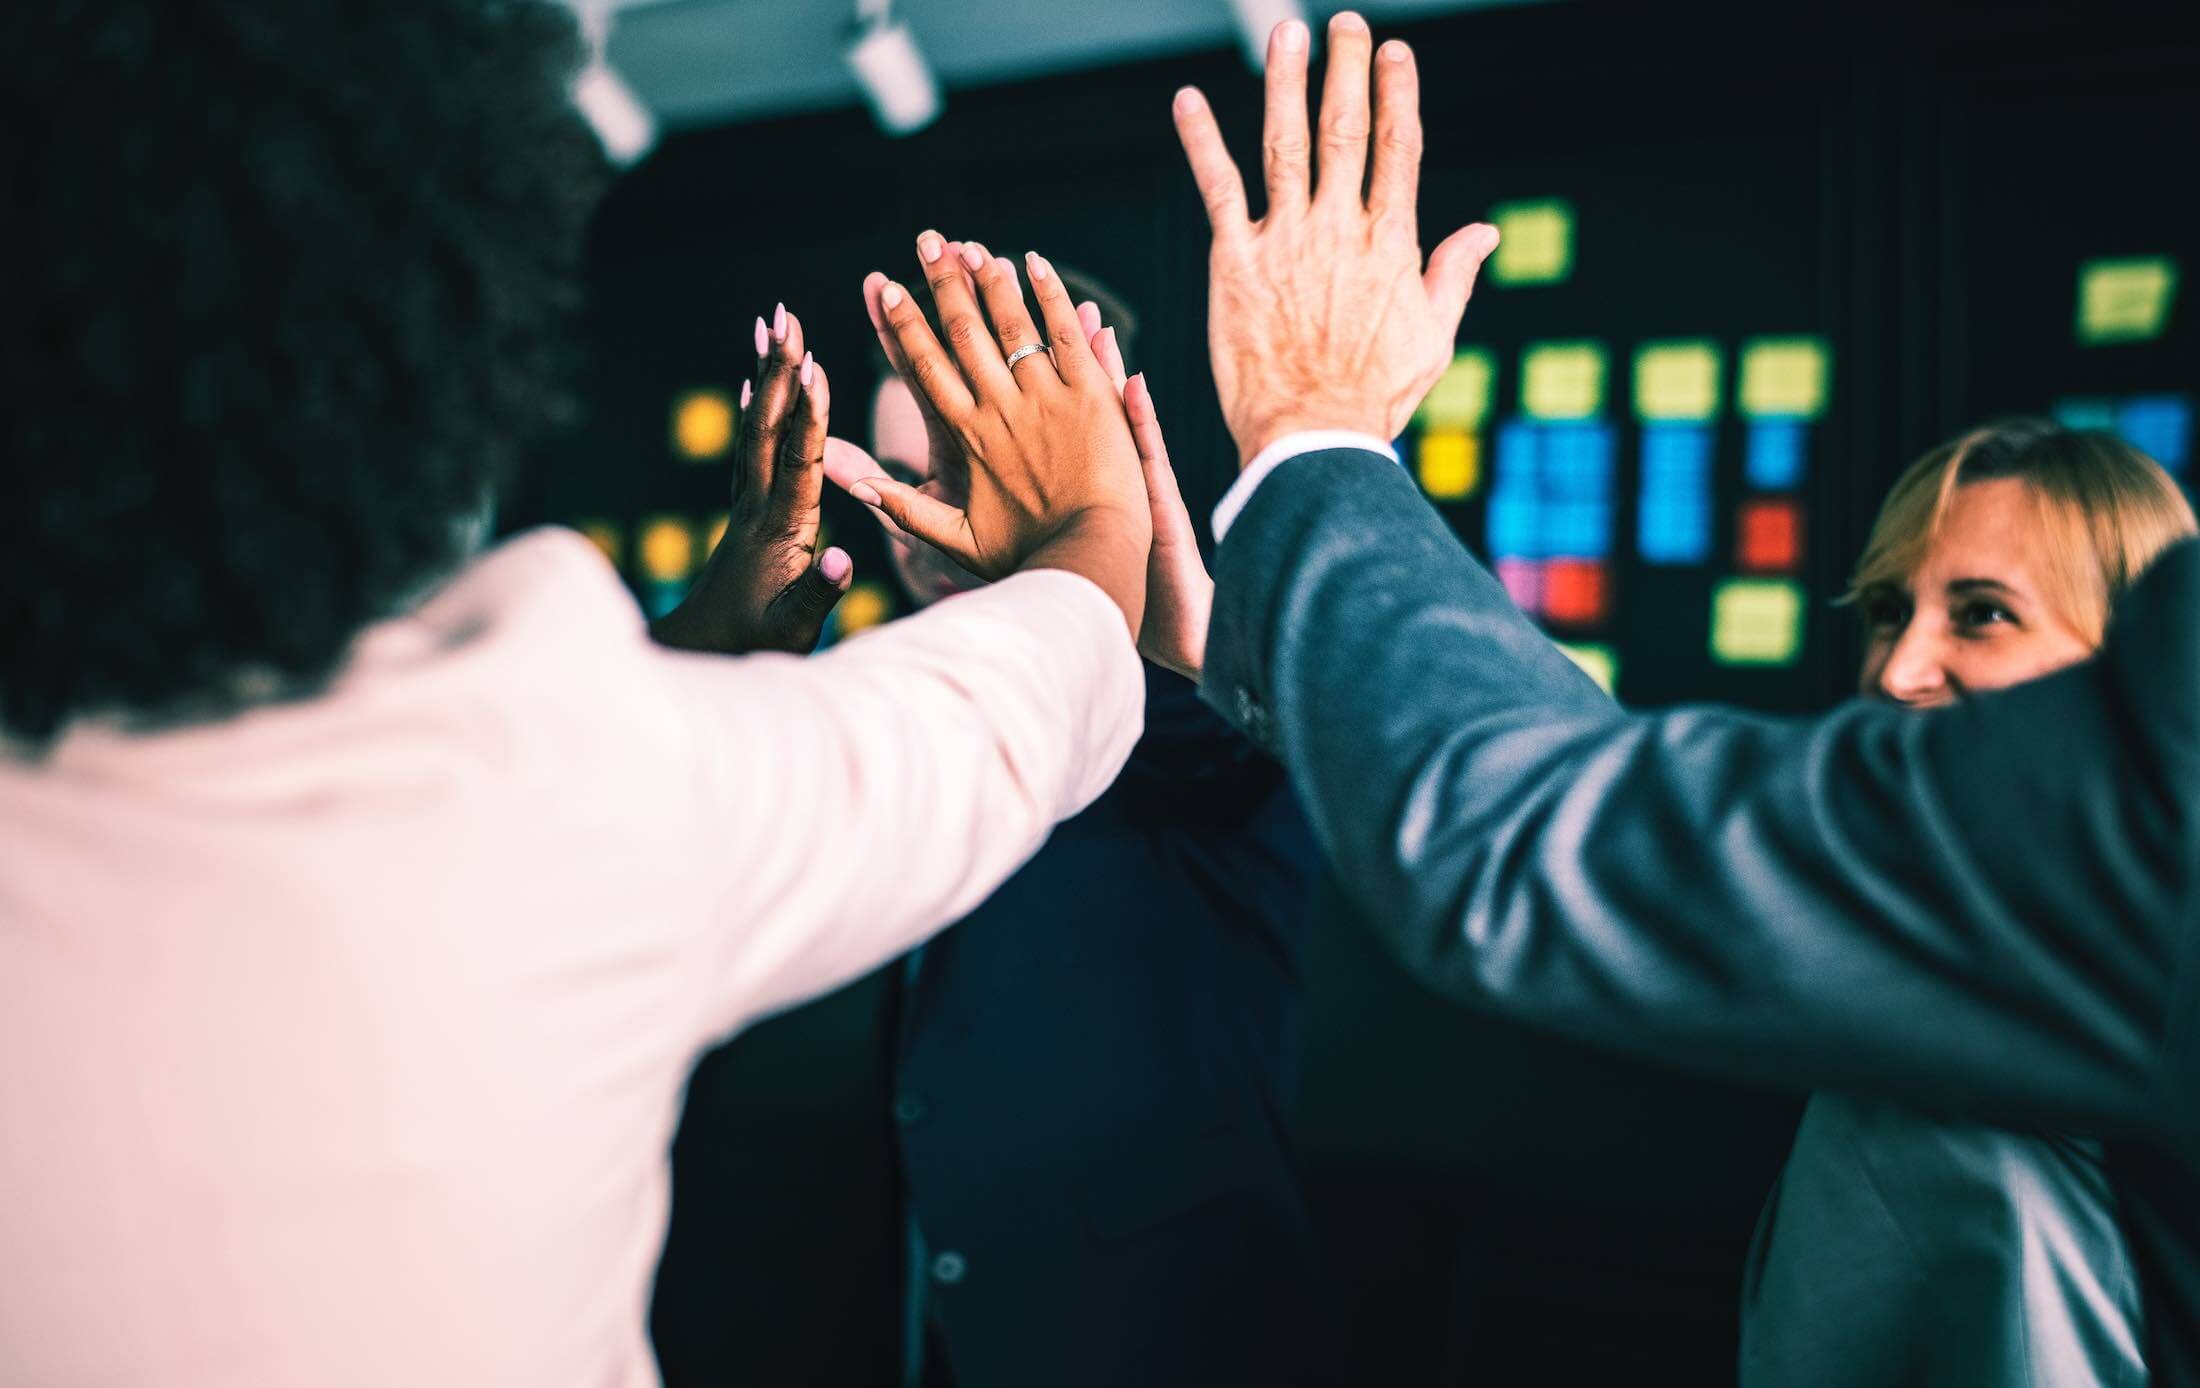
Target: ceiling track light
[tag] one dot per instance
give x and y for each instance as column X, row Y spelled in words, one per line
column 621, row 119
column 1257, row 19
column 890, row 68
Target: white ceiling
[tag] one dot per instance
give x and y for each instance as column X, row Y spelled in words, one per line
column 706, row 62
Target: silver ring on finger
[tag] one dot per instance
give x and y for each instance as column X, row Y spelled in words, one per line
column 1024, row 351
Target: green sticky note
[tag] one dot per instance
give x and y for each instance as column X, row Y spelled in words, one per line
column 2125, row 300
column 1562, row 380
column 1756, row 621
column 1460, row 399
column 1677, row 380
column 1598, row 662
column 1535, row 242
column 1785, row 376
column 2086, row 412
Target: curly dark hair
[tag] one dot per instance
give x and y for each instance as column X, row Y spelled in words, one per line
column 286, row 304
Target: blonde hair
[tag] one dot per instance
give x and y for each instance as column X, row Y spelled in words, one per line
column 2106, row 511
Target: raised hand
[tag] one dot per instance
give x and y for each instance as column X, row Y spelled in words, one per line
column 1321, row 314
column 1053, row 479
column 765, row 587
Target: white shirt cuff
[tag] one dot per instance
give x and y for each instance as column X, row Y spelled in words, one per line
column 1288, row 447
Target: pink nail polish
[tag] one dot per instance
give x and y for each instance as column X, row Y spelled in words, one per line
column 928, row 247
column 1038, row 264
column 748, row 389
column 807, row 366
column 973, row 255
column 779, row 323
column 835, row 565
column 890, row 296
column 763, row 340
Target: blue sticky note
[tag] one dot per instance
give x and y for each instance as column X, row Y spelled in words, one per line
column 2086, row 412
column 1676, row 458
column 1519, row 452
column 2159, row 426
column 1577, row 461
column 1773, row 461
column 1673, row 529
column 1515, row 529
column 1577, row 530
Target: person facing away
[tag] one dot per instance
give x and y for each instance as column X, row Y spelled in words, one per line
column 1900, row 1245
column 363, row 903
column 1985, row 914
column 1095, row 1070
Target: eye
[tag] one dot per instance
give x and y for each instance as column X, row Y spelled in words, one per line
column 1884, row 612
column 1979, row 613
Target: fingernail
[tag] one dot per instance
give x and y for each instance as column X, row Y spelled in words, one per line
column 1348, row 20
column 863, row 492
column 890, row 296
column 1006, row 266
column 779, row 323
column 748, row 388
column 1489, row 238
column 973, row 255
column 1394, row 51
column 836, row 565
column 1189, row 100
column 763, row 340
column 808, row 366
column 1039, row 267
column 1291, row 36
column 928, row 247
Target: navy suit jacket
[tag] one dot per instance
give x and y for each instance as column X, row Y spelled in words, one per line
column 1094, row 1087
column 1987, row 912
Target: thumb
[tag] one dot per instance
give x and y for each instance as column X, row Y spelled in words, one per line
column 798, row 614
column 946, row 528
column 847, row 464
column 1452, row 270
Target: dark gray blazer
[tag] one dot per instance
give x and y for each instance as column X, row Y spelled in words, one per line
column 1988, row 911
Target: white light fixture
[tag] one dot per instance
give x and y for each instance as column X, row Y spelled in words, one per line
column 621, row 119
column 1257, row 19
column 891, row 69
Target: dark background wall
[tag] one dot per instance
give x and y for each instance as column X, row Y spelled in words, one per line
column 1916, row 185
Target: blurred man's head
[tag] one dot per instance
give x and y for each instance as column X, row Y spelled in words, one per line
column 286, row 303
column 898, row 441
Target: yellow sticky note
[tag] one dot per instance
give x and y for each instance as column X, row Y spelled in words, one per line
column 714, row 530
column 702, row 425
column 667, row 550
column 2125, row 300
column 1460, row 399
column 1677, row 380
column 1784, row 376
column 607, row 537
column 1598, row 662
column 1451, row 463
column 1536, row 242
column 1562, row 380
column 865, row 606
column 1756, row 621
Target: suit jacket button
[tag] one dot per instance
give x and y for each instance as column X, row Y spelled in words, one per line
column 911, row 1109
column 948, row 1268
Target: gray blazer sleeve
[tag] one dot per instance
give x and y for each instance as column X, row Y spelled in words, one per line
column 1981, row 909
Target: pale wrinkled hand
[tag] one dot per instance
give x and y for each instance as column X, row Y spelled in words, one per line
column 1320, row 315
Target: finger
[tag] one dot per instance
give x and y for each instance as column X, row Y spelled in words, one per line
column 1105, row 348
column 968, row 337
column 1003, row 294
column 764, row 422
column 931, row 373
column 946, row 528
column 1397, row 176
column 847, row 464
column 1284, row 150
column 801, row 471
column 1066, row 335
column 1088, row 317
column 1344, row 111
column 1153, row 453
column 873, row 283
column 797, row 615
column 1452, row 269
column 1220, row 188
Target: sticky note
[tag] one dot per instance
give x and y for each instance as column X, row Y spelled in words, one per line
column 1523, row 580
column 2125, row 300
column 1514, row 522
column 1536, row 242
column 667, row 550
column 2159, row 426
column 607, row 537
column 1677, row 380
column 714, row 530
column 702, row 425
column 1756, row 621
column 1676, row 458
column 1673, row 515
column 1562, row 380
column 1450, row 462
column 1575, row 529
column 1768, row 536
column 866, row 605
column 2086, row 412
column 1577, row 461
column 1574, row 592
column 1460, row 399
column 1519, row 455
column 1784, row 376
column 1598, row 662
column 1773, row 457
column 1673, row 530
